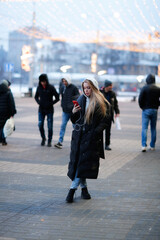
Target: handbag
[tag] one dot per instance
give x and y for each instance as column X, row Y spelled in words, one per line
column 9, row 127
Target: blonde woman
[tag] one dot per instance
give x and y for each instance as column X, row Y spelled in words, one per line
column 90, row 118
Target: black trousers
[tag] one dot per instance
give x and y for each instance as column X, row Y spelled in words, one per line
column 108, row 133
column 1, row 131
column 1, row 134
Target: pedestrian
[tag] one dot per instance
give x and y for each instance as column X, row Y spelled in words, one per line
column 90, row 118
column 149, row 101
column 110, row 95
column 68, row 92
column 7, row 107
column 46, row 96
column 61, row 86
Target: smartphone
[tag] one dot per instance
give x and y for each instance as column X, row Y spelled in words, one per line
column 75, row 103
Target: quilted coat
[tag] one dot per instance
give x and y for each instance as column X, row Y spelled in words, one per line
column 7, row 104
column 87, row 143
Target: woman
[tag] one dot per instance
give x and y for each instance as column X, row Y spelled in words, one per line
column 7, row 107
column 89, row 119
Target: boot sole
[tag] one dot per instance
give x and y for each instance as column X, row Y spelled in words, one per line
column 86, row 198
column 57, row 146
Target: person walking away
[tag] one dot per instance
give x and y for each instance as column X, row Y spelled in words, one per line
column 90, row 118
column 110, row 95
column 7, row 107
column 149, row 101
column 68, row 92
column 46, row 96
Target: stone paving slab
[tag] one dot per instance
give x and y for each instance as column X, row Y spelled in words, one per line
column 125, row 202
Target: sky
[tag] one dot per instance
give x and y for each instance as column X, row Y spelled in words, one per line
column 83, row 20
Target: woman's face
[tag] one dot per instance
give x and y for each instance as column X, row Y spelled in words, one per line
column 87, row 89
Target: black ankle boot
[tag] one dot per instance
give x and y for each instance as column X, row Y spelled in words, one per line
column 49, row 144
column 70, row 195
column 43, row 142
column 4, row 142
column 85, row 194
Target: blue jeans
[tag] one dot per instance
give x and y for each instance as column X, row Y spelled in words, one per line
column 41, row 118
column 149, row 115
column 65, row 119
column 78, row 181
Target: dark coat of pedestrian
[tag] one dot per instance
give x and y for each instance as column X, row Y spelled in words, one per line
column 149, row 101
column 90, row 118
column 110, row 95
column 7, row 107
column 68, row 93
column 46, row 96
column 150, row 94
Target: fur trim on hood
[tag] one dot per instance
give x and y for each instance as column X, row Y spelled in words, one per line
column 68, row 79
column 94, row 81
column 6, row 82
column 150, row 79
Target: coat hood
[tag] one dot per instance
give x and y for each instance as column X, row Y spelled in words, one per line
column 150, row 79
column 43, row 78
column 3, row 88
column 6, row 82
column 94, row 82
column 68, row 79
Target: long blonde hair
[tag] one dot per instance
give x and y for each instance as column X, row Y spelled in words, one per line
column 96, row 100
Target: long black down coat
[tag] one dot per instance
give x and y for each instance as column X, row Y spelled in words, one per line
column 7, row 104
column 86, row 144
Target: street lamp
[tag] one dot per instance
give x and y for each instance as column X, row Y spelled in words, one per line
column 64, row 68
column 101, row 72
column 26, row 58
column 140, row 78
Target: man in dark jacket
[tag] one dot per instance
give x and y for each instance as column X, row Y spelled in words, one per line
column 7, row 107
column 114, row 108
column 44, row 97
column 149, row 101
column 69, row 92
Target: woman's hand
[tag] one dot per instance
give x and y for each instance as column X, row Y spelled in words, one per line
column 76, row 109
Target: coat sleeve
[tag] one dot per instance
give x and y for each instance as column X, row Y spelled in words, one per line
column 101, row 126
column 75, row 117
column 37, row 96
column 141, row 99
column 76, row 93
column 103, row 122
column 56, row 95
column 12, row 105
column 116, row 107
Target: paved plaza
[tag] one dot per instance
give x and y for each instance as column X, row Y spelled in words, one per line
column 125, row 202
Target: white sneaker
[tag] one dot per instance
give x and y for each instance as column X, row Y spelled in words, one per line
column 144, row 149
